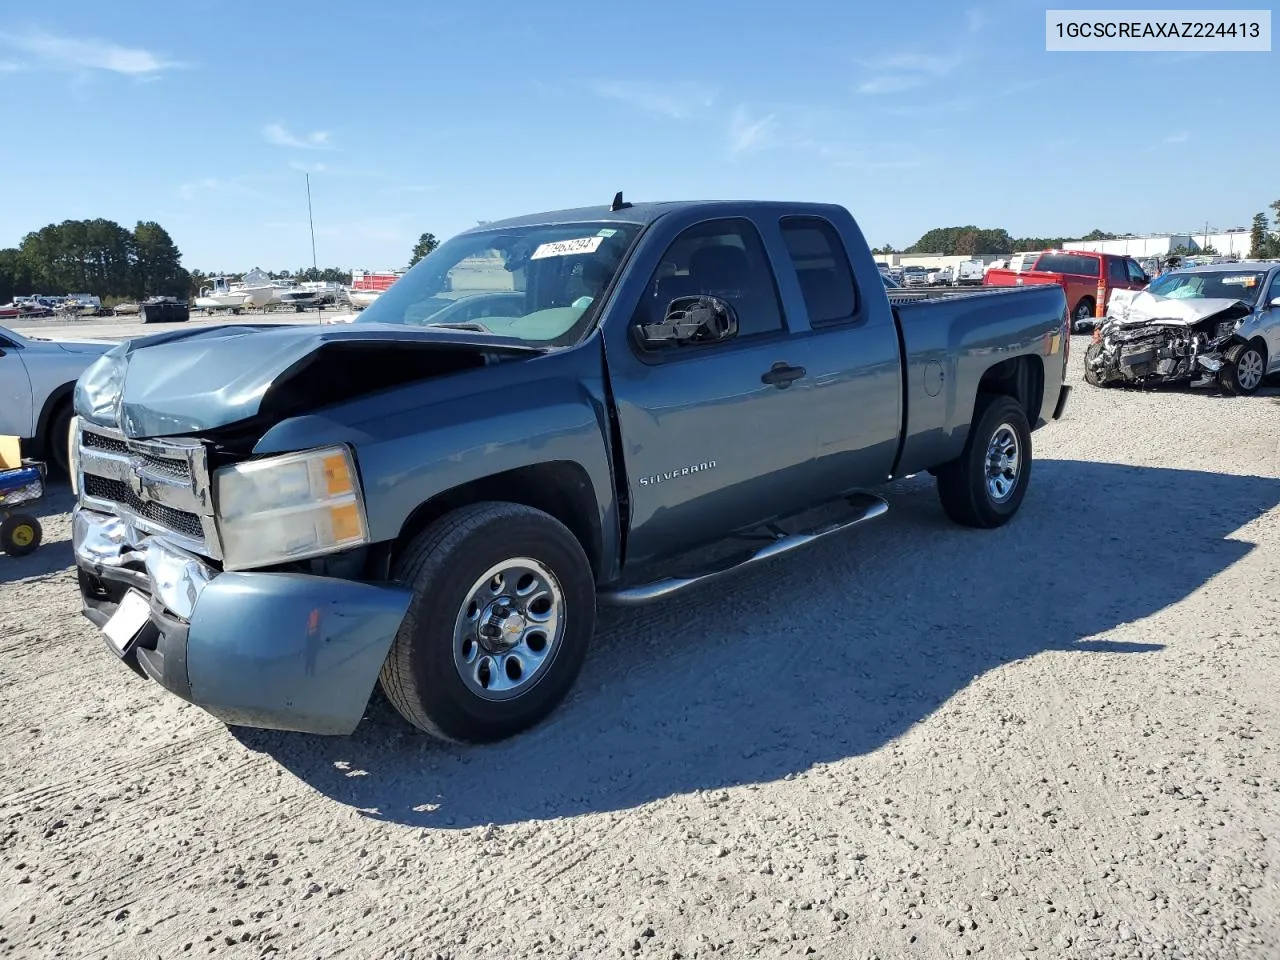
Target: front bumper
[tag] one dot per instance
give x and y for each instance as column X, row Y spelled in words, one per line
column 285, row 651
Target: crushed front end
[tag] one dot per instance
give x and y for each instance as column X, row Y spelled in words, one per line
column 191, row 572
column 1162, row 350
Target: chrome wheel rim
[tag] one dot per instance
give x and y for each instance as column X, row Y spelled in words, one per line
column 508, row 629
column 1004, row 458
column 1249, row 369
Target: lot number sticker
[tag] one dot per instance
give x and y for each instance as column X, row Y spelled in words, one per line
column 564, row 248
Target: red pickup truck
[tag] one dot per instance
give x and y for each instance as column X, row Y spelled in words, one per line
column 1087, row 277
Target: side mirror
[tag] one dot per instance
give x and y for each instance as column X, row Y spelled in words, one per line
column 1275, row 301
column 691, row 320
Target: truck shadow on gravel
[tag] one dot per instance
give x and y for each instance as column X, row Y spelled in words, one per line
column 829, row 653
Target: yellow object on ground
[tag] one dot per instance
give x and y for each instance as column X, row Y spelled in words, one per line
column 10, row 453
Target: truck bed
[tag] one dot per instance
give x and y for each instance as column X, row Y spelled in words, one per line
column 950, row 339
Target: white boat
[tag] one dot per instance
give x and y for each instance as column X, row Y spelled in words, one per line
column 367, row 285
column 255, row 289
column 362, row 298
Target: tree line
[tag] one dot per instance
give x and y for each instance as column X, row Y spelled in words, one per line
column 102, row 258
column 1263, row 241
column 94, row 256
column 971, row 241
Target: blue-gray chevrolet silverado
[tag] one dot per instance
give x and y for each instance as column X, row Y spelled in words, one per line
column 544, row 412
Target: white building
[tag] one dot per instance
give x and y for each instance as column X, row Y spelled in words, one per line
column 1228, row 243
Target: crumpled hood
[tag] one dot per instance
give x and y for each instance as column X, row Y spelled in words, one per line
column 188, row 381
column 1139, row 306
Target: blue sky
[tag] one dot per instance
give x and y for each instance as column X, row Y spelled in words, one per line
column 411, row 116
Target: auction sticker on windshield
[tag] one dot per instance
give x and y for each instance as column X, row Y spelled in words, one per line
column 564, row 248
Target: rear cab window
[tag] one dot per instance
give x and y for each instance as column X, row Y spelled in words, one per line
column 822, row 268
column 1070, row 263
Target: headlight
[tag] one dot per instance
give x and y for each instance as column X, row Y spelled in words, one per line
column 289, row 508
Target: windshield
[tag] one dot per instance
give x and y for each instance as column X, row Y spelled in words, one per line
column 1209, row 285
column 537, row 283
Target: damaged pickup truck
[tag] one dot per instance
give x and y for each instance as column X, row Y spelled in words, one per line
column 1216, row 323
column 544, row 412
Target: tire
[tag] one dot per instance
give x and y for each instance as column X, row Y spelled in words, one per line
column 1082, row 317
column 435, row 674
column 57, row 441
column 1089, row 376
column 1244, row 368
column 963, row 488
column 20, row 534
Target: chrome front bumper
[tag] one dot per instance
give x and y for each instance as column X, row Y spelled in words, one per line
column 286, row 651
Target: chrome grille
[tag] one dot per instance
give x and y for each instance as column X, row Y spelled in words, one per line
column 100, row 488
column 164, row 486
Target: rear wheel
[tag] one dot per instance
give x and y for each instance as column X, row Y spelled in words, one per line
column 502, row 613
column 984, row 486
column 1082, row 317
column 1244, row 367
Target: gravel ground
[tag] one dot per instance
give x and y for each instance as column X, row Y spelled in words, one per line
column 1051, row 740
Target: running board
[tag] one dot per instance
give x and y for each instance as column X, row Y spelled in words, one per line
column 871, row 507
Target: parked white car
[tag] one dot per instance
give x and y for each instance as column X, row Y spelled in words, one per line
column 37, row 377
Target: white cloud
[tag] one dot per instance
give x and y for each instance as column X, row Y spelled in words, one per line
column 308, row 167
column 905, row 71
column 189, row 191
column 1181, row 137
column 86, row 53
column 890, row 84
column 10, row 66
column 280, row 135
column 975, row 19
column 750, row 134
column 676, row 100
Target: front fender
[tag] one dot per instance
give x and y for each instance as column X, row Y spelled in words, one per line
column 418, row 441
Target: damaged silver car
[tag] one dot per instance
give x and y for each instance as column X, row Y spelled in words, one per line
column 1216, row 323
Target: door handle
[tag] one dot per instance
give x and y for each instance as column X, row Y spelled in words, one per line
column 781, row 374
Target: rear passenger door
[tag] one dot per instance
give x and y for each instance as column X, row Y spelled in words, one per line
column 847, row 341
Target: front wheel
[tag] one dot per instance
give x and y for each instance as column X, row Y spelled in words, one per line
column 984, row 486
column 1090, row 361
column 1243, row 369
column 502, row 613
column 58, row 442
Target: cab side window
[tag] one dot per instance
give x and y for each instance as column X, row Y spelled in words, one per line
column 719, row 258
column 1116, row 272
column 1136, row 274
column 822, row 267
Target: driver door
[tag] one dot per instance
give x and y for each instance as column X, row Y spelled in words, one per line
column 708, row 432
